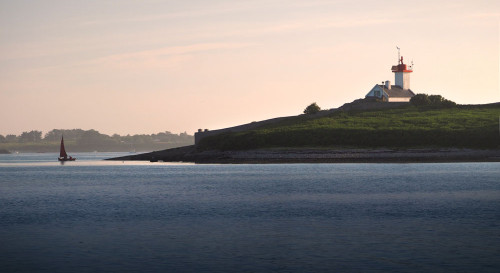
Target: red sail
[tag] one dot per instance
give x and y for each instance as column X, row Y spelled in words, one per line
column 62, row 152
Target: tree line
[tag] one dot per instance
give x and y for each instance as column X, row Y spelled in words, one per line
column 91, row 140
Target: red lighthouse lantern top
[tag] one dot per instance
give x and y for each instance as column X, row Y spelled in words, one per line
column 401, row 67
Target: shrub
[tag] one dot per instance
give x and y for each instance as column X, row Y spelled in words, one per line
column 420, row 99
column 313, row 108
column 448, row 103
column 432, row 100
column 435, row 99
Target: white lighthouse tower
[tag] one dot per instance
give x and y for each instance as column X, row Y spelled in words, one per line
column 402, row 74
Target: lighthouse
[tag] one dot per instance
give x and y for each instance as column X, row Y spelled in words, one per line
column 400, row 91
column 402, row 74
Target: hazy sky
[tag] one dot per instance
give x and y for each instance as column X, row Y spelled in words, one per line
column 152, row 65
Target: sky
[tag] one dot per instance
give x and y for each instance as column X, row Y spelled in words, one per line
column 149, row 66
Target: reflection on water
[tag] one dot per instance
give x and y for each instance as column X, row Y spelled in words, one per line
column 101, row 216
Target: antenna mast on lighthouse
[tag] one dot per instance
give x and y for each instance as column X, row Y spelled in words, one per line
column 399, row 54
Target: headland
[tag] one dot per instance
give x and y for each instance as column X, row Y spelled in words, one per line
column 358, row 132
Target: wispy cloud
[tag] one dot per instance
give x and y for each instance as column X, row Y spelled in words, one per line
column 202, row 11
column 166, row 56
column 485, row 15
column 297, row 26
column 176, row 50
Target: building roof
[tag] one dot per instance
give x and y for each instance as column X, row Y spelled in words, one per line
column 397, row 92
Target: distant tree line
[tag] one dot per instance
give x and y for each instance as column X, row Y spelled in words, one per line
column 90, row 140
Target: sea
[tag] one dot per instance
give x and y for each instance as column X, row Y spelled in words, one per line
column 93, row 215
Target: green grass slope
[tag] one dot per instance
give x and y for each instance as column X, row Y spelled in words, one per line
column 407, row 127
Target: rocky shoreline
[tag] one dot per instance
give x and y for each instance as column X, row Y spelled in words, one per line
column 312, row 155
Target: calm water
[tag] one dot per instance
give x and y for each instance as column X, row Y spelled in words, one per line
column 98, row 216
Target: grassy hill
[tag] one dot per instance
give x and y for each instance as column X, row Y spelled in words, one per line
column 406, row 127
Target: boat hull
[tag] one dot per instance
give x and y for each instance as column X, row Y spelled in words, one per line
column 66, row 159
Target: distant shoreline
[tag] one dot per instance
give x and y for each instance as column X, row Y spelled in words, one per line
column 312, row 155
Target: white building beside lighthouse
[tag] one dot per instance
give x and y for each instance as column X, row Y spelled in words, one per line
column 400, row 92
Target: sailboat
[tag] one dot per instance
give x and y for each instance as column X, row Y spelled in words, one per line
column 63, row 156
